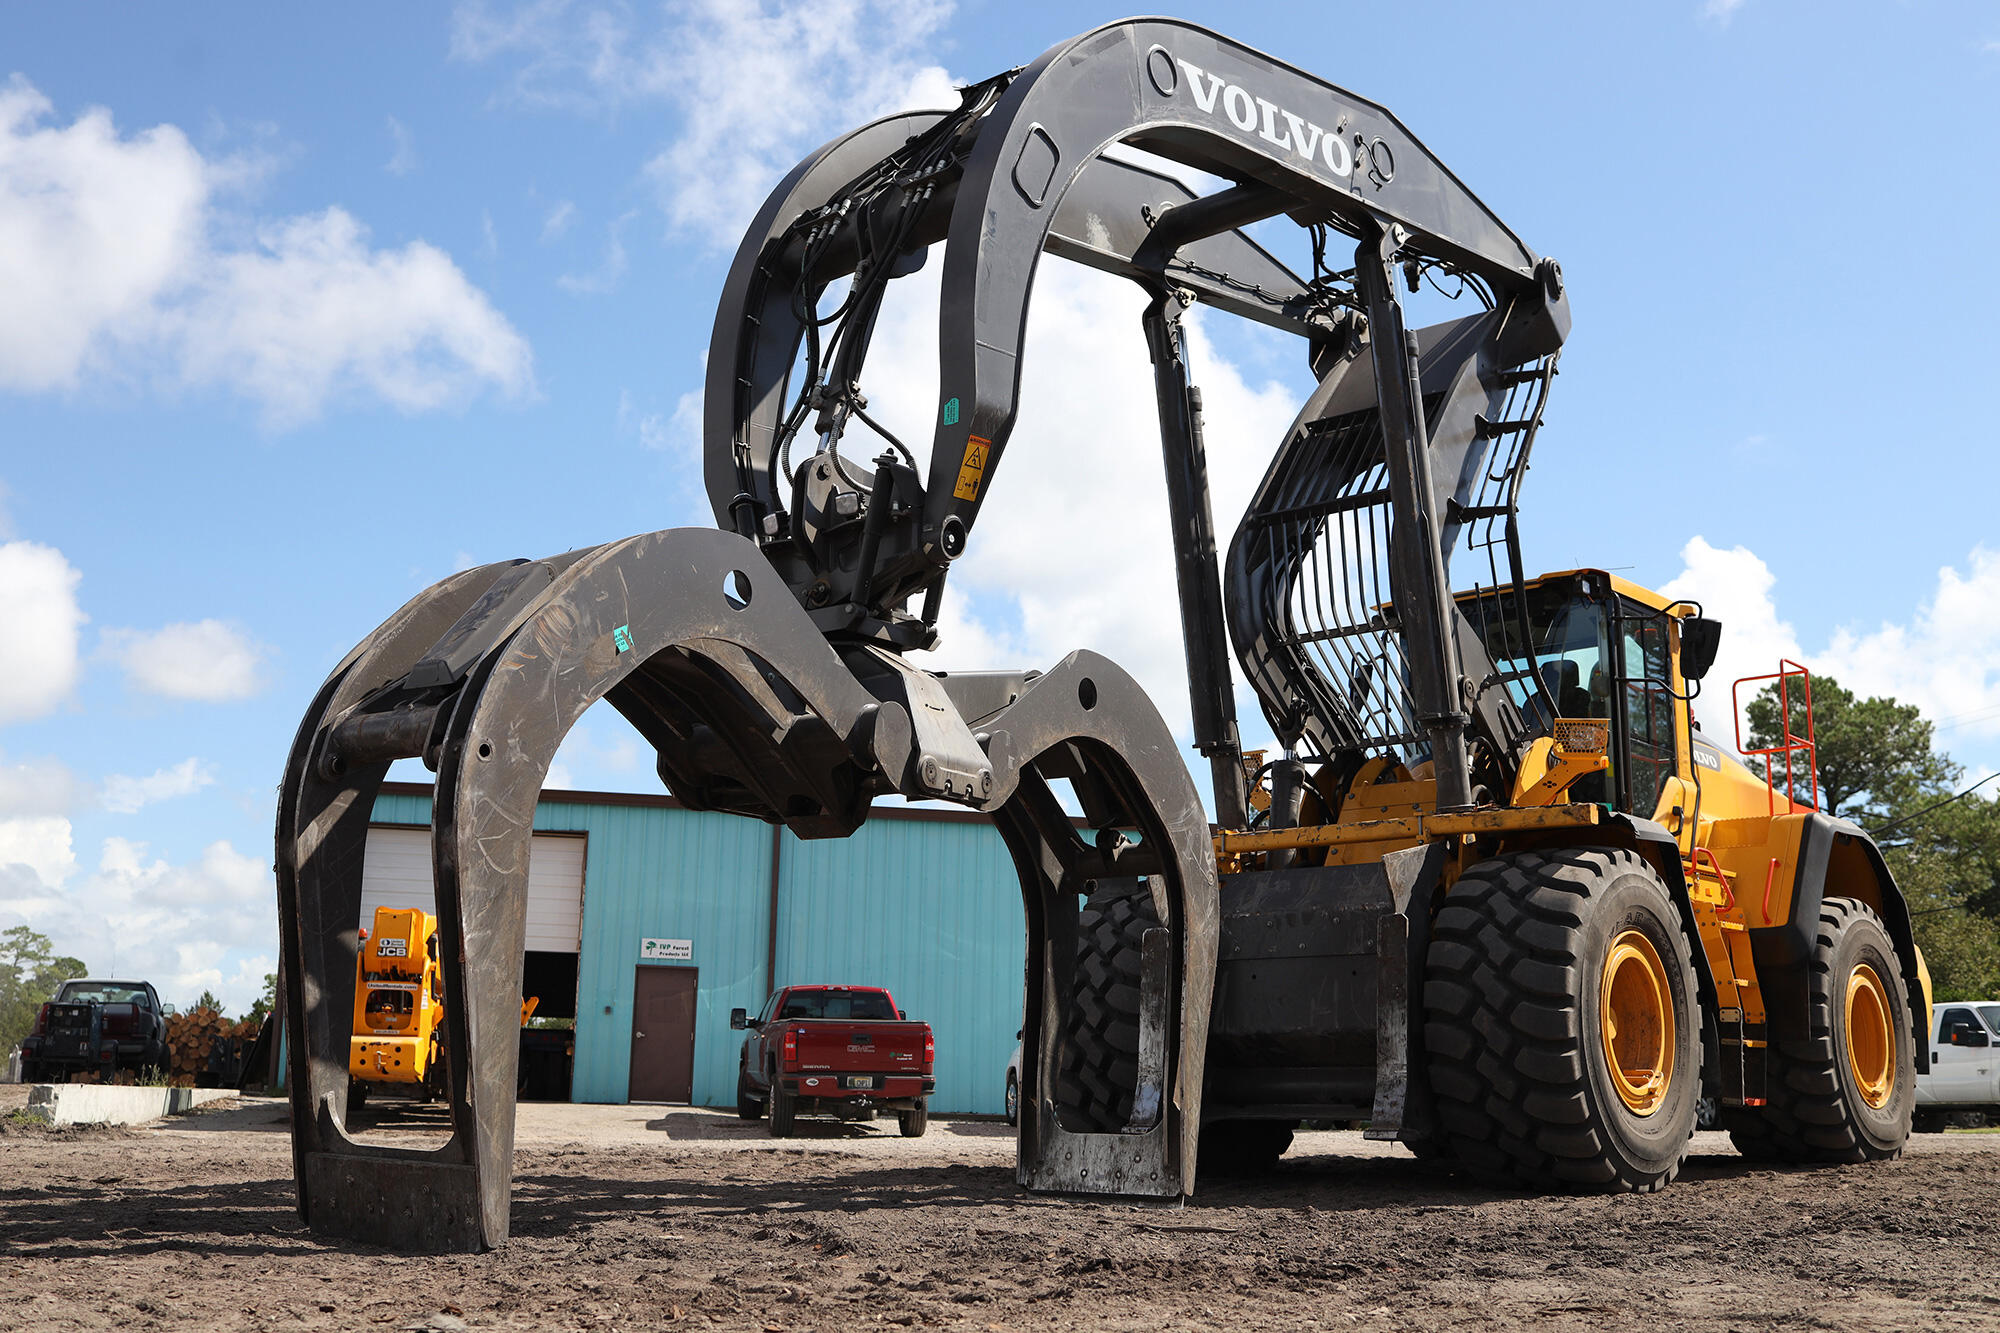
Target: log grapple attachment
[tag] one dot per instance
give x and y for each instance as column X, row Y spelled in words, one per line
column 767, row 661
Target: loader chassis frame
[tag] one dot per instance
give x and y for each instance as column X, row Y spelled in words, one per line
column 765, row 662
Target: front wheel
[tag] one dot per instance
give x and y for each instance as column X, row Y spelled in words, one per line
column 916, row 1120
column 747, row 1105
column 1561, row 1022
column 1013, row 1099
column 1845, row 1091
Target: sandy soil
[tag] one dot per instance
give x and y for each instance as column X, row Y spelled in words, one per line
column 638, row 1217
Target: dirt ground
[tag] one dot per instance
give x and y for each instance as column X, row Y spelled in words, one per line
column 650, row 1217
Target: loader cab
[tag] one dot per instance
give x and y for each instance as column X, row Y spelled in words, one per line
column 1585, row 644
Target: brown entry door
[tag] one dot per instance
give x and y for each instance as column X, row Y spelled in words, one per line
column 663, row 1034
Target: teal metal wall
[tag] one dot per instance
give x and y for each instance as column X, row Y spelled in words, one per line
column 929, row 908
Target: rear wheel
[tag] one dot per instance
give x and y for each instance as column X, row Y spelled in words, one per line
column 1100, row 1053
column 1013, row 1099
column 747, row 1105
column 1845, row 1091
column 1561, row 1022
column 784, row 1106
column 916, row 1120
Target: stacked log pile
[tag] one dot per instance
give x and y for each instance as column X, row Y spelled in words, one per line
column 204, row 1047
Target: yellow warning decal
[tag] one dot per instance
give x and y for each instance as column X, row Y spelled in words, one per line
column 973, row 470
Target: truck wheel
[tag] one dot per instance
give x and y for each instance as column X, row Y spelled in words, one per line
column 1100, row 1064
column 1845, row 1092
column 784, row 1106
column 1013, row 1099
column 747, row 1105
column 357, row 1099
column 1243, row 1147
column 916, row 1120
column 1929, row 1122
column 1562, row 1026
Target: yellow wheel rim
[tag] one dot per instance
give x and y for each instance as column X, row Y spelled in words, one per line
column 1871, row 1047
column 1635, row 1012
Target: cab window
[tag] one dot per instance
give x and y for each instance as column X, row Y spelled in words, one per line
column 1647, row 695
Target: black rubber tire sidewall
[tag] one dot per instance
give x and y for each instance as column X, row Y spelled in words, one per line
column 747, row 1105
column 915, row 1121
column 782, row 1107
column 1639, row 902
column 1863, row 940
column 1013, row 1100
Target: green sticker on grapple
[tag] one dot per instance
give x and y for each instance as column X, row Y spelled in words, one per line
column 951, row 412
column 622, row 638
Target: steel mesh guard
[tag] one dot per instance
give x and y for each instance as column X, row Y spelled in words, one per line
column 1315, row 554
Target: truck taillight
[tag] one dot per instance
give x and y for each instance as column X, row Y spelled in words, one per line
column 42, row 1021
column 930, row 1048
column 791, row 1045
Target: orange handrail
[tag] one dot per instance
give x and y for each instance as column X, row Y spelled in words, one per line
column 1789, row 744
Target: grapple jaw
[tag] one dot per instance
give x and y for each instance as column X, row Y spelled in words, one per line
column 695, row 639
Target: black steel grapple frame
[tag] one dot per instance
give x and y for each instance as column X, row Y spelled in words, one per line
column 765, row 662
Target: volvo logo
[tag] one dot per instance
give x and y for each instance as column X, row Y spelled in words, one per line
column 1287, row 131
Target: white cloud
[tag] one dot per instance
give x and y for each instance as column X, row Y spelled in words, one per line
column 36, row 787
column 558, row 220
column 610, row 269
column 403, row 160
column 1720, row 11
column 111, row 269
column 756, row 86
column 126, row 795
column 38, row 607
column 206, row 660
column 206, row 925
column 1945, row 658
column 38, row 844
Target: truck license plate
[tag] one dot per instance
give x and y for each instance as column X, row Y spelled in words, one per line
column 860, row 1080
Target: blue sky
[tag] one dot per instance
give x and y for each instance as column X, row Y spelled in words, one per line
column 306, row 309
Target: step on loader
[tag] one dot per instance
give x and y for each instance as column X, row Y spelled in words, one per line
column 1499, row 897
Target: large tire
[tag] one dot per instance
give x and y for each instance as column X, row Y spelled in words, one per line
column 1534, row 961
column 1243, row 1147
column 916, row 1120
column 747, row 1105
column 1100, row 1052
column 1831, row 1097
column 784, row 1106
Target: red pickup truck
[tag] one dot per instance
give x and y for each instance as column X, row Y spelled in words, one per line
column 843, row 1051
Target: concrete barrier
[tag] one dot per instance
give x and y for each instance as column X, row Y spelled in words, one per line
column 108, row 1104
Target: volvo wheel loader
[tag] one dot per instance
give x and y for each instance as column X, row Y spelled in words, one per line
column 1499, row 896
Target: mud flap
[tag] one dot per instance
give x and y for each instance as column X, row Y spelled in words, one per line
column 1403, row 1107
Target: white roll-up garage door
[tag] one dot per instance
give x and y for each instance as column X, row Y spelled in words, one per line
column 398, row 874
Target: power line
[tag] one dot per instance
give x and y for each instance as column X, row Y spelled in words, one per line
column 1898, row 823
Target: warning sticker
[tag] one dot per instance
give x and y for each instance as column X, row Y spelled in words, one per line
column 973, row 469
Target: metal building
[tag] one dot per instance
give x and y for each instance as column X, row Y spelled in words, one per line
column 649, row 922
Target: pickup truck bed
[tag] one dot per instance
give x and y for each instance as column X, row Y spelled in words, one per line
column 843, row 1051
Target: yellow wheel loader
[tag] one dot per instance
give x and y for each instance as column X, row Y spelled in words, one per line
column 1499, row 895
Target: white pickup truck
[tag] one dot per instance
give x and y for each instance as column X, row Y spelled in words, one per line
column 1965, row 1065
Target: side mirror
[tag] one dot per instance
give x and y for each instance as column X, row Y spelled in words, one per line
column 169, row 1010
column 1700, row 637
column 1019, row 1033
column 739, row 1019
column 903, row 1014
